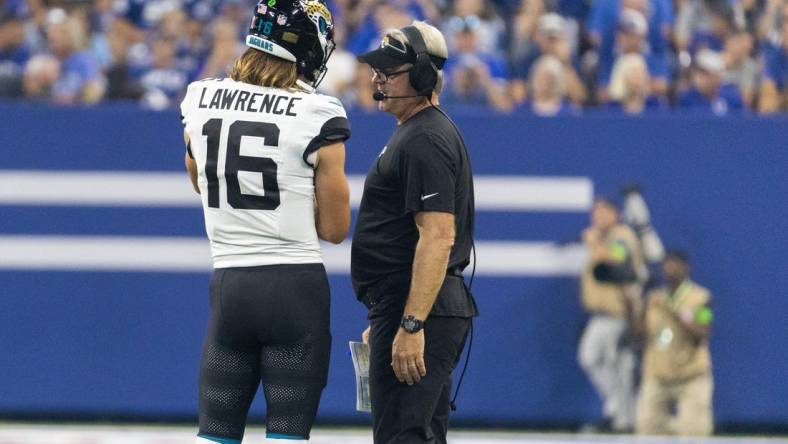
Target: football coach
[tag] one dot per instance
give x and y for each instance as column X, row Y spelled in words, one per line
column 412, row 241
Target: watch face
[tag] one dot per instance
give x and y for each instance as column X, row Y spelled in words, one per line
column 411, row 324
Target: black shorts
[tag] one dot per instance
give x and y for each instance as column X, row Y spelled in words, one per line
column 268, row 324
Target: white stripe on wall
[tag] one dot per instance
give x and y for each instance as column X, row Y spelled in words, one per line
column 149, row 189
column 530, row 193
column 172, row 254
column 31, row 187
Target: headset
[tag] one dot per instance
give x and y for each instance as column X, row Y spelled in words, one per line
column 424, row 73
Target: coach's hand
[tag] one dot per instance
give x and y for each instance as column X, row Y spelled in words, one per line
column 407, row 356
column 365, row 336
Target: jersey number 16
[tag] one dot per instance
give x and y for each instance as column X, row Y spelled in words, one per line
column 235, row 162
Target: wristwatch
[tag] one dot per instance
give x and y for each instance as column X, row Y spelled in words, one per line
column 410, row 324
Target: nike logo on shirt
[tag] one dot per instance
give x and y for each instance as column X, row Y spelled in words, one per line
column 423, row 197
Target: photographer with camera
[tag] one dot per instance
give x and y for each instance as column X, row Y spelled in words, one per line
column 611, row 293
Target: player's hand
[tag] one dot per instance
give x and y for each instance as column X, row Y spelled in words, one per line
column 407, row 356
column 365, row 336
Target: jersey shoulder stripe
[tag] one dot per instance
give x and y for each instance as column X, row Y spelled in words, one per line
column 334, row 130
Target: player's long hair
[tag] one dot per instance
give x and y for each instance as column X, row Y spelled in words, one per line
column 258, row 68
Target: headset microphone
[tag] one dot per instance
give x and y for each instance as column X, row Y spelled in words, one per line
column 379, row 96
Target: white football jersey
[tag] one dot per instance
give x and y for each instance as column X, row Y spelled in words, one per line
column 254, row 148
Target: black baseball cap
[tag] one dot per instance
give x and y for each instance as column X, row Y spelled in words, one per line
column 392, row 53
column 389, row 54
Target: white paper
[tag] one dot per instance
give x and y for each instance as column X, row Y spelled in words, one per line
column 360, row 354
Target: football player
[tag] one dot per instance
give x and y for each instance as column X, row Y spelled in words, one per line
column 266, row 154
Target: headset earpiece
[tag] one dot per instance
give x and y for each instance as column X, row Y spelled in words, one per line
column 424, row 74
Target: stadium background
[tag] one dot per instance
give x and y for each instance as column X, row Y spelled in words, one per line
column 104, row 267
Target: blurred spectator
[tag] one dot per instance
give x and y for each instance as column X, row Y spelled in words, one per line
column 134, row 19
column 80, row 79
column 14, row 53
column 204, row 11
column 753, row 11
column 145, row 14
column 677, row 363
column 14, row 8
column 341, row 74
column 102, row 16
column 774, row 85
column 741, row 69
column 189, row 49
column 201, row 10
column 483, row 18
column 576, row 11
column 350, row 14
column 770, row 21
column 163, row 82
column 474, row 77
column 225, row 49
column 603, row 25
column 551, row 38
column 725, row 20
column 235, row 10
column 121, row 84
column 100, row 20
column 631, row 37
column 709, row 93
column 41, row 73
column 380, row 16
column 524, row 26
column 706, row 23
column 630, row 87
column 115, row 39
column 547, row 89
column 360, row 94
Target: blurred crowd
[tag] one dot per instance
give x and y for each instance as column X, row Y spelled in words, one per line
column 544, row 57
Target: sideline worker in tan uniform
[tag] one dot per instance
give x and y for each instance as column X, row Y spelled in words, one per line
column 611, row 293
column 677, row 364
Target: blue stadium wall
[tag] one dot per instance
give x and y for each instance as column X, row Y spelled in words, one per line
column 113, row 342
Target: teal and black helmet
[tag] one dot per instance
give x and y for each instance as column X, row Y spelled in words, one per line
column 301, row 31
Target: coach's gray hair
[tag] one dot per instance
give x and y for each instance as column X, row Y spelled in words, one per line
column 433, row 40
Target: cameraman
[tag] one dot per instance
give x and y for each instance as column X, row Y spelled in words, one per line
column 610, row 292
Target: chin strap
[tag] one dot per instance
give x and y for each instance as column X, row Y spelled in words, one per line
column 305, row 86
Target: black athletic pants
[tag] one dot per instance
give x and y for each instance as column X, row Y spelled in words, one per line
column 268, row 324
column 418, row 413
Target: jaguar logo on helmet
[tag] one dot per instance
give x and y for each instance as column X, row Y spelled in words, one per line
column 319, row 14
column 300, row 31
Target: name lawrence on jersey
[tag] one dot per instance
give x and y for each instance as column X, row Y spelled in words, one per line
column 253, row 102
